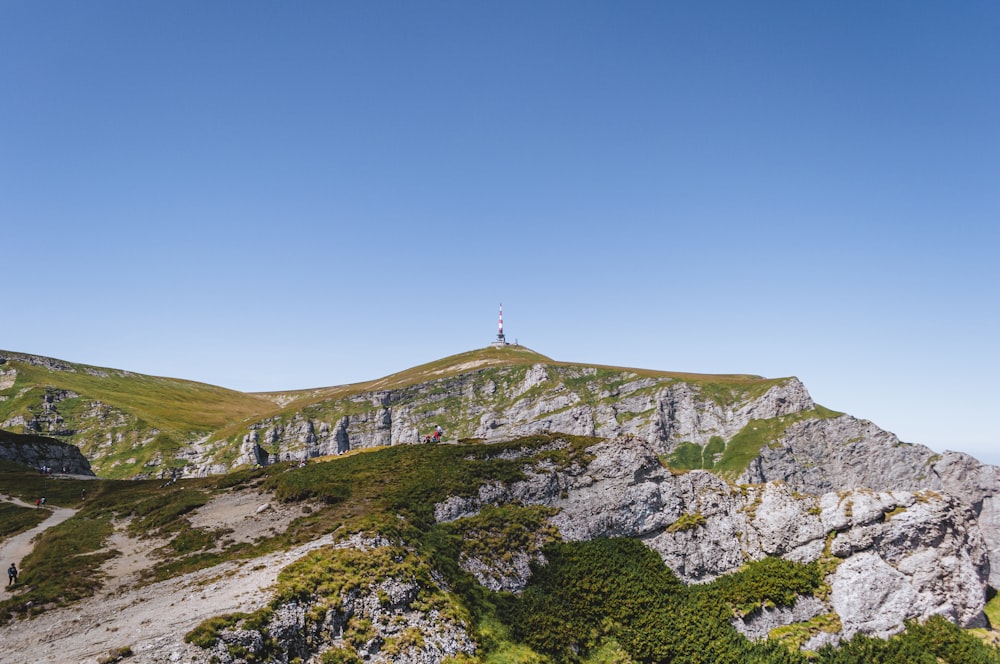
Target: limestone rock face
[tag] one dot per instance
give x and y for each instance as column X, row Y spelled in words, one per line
column 822, row 455
column 817, row 456
column 620, row 493
column 507, row 403
column 46, row 419
column 37, row 451
column 504, row 575
column 896, row 554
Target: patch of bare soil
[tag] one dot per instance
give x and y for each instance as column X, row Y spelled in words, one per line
column 135, row 555
column 249, row 515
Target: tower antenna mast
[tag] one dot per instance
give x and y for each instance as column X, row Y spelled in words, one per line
column 500, row 340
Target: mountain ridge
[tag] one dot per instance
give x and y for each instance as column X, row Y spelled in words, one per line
column 79, row 404
column 848, row 531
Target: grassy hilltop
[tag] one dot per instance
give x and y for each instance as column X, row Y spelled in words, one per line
column 118, row 417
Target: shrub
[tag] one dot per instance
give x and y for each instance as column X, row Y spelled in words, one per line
column 688, row 521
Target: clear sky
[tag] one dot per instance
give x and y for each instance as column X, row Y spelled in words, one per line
column 279, row 195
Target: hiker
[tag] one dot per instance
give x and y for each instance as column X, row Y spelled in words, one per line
column 43, row 501
column 38, row 503
column 438, row 432
column 11, row 575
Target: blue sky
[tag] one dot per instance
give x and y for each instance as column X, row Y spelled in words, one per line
column 271, row 196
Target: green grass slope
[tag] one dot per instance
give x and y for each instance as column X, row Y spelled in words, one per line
column 169, row 404
column 507, row 356
column 120, row 420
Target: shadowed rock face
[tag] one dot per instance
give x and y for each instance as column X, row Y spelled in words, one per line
column 37, row 451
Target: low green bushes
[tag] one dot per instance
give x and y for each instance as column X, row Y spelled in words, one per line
column 617, row 591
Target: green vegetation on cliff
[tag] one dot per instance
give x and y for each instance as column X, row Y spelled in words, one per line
column 617, row 592
column 605, row 600
column 730, row 458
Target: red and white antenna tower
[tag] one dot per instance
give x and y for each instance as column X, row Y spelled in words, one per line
column 500, row 340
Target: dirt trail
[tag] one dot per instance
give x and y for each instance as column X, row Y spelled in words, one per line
column 153, row 619
column 14, row 550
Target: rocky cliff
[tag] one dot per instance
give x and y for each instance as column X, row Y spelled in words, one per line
column 819, row 456
column 891, row 555
column 502, row 403
column 131, row 425
column 39, row 451
column 886, row 556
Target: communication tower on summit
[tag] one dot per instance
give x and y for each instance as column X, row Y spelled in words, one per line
column 500, row 341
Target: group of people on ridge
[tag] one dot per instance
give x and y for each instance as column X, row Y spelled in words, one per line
column 436, row 436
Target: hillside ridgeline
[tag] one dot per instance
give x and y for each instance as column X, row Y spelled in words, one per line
column 457, row 551
column 130, row 425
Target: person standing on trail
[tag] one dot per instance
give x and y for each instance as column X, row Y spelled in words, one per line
column 38, row 503
column 11, row 574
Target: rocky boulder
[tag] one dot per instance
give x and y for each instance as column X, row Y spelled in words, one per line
column 822, row 455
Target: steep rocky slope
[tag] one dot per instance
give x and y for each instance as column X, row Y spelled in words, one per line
column 375, row 542
column 500, row 403
column 893, row 555
column 818, row 456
